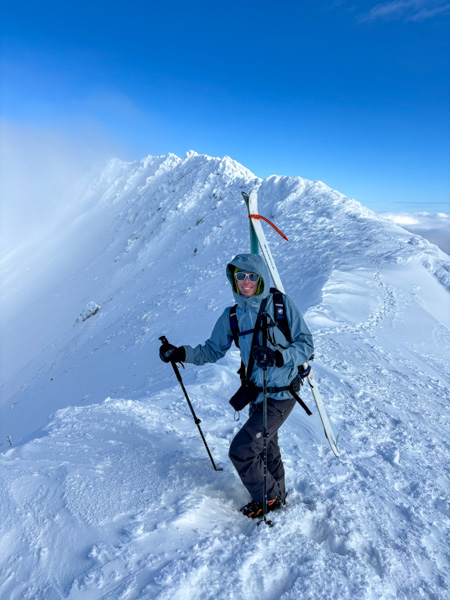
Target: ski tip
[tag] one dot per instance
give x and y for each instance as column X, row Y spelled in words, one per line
column 336, row 449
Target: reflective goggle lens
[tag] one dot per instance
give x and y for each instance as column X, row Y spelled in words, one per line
column 254, row 277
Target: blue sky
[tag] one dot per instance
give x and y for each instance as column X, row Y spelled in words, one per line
column 355, row 94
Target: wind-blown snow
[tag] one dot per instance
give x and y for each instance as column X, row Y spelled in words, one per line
column 107, row 490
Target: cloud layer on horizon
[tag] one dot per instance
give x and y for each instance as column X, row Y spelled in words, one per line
column 434, row 227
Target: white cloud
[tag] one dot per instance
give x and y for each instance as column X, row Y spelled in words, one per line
column 408, row 10
column 435, row 227
column 403, row 219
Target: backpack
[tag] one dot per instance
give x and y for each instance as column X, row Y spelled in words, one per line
column 282, row 323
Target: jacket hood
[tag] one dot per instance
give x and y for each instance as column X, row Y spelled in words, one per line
column 249, row 262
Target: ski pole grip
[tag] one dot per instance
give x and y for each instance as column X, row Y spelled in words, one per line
column 164, row 341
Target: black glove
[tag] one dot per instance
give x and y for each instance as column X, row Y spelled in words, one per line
column 266, row 357
column 169, row 353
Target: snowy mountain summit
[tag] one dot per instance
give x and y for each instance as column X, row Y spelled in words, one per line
column 106, row 488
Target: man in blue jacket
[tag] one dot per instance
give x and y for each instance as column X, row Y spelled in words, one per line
column 250, row 281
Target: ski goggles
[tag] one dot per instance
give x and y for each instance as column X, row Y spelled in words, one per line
column 253, row 277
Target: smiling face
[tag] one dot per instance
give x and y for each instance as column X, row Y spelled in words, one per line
column 247, row 288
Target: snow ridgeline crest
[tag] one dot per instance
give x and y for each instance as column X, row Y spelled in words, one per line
column 119, row 177
column 299, row 205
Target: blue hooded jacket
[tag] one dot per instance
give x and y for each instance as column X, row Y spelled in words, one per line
column 294, row 354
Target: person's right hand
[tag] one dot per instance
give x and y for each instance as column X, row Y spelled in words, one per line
column 170, row 353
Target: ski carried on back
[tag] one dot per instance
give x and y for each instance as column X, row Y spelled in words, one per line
column 255, row 218
column 257, row 237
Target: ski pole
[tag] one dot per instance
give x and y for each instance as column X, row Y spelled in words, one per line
column 163, row 340
column 265, row 434
column 266, row 521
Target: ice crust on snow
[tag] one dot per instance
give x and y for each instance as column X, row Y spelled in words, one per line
column 108, row 492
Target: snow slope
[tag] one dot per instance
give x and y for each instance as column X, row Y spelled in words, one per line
column 108, row 490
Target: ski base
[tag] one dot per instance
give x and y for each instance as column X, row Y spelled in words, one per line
column 329, row 434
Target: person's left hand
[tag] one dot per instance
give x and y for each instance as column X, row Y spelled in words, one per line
column 266, row 357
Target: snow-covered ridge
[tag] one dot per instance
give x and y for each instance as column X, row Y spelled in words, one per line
column 155, row 231
column 104, row 450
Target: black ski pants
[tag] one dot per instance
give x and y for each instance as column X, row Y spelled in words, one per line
column 247, row 449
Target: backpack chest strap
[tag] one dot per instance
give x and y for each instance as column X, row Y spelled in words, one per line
column 280, row 317
column 236, row 333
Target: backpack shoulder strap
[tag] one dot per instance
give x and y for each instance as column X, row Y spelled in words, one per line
column 256, row 331
column 279, row 316
column 280, row 313
column 234, row 325
column 235, row 331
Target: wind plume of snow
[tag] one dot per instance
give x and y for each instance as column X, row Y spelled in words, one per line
column 42, row 174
